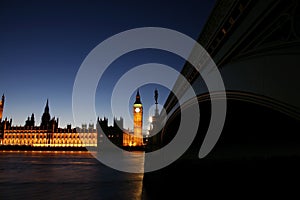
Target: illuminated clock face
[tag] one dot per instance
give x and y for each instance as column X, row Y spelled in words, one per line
column 137, row 110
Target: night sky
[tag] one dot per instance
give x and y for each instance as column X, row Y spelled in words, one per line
column 43, row 44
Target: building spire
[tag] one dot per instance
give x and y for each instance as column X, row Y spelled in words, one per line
column 2, row 106
column 47, row 107
column 46, row 116
column 138, row 98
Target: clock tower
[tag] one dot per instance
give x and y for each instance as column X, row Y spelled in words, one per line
column 138, row 121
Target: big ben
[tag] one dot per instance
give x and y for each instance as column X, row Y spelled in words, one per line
column 138, row 121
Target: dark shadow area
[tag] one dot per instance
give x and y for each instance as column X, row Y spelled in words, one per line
column 257, row 154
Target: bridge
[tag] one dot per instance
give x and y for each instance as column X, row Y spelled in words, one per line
column 256, row 47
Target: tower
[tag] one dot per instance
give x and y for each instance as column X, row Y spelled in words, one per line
column 118, row 123
column 2, row 106
column 138, row 121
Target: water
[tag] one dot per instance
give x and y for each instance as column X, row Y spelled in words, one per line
column 65, row 175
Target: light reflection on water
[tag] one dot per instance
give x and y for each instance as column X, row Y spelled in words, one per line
column 65, row 175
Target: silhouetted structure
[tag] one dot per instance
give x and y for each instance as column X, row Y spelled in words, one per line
column 113, row 133
column 256, row 47
column 2, row 106
column 156, row 96
column 153, row 140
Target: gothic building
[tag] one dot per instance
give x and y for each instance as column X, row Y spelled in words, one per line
column 48, row 134
column 113, row 133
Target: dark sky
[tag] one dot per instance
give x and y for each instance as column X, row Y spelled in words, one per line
column 43, row 44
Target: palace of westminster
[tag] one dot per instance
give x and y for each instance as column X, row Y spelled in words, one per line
column 49, row 134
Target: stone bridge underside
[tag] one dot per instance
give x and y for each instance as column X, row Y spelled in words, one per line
column 256, row 47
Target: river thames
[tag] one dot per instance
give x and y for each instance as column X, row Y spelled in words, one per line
column 65, row 175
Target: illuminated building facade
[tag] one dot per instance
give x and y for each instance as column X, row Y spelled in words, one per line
column 48, row 134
